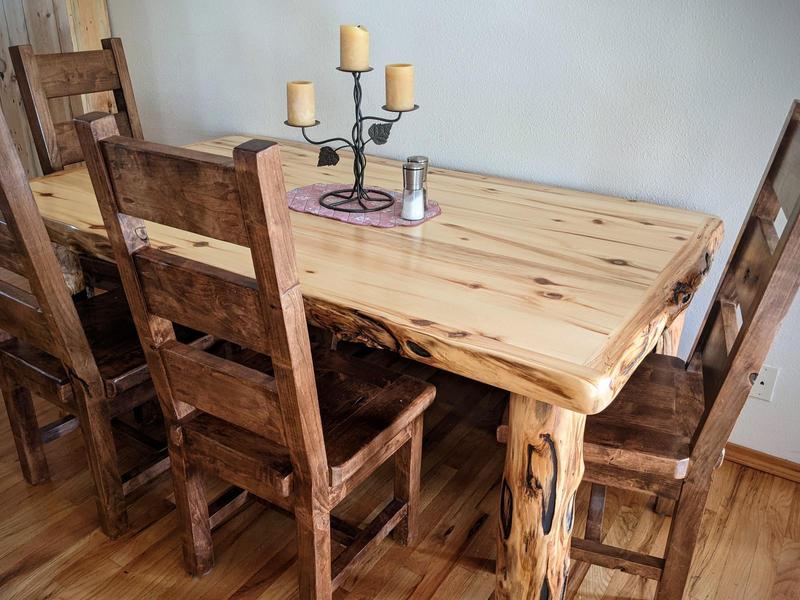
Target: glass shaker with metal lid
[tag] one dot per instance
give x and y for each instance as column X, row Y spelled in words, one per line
column 422, row 160
column 413, row 192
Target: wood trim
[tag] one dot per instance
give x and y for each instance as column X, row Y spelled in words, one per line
column 761, row 461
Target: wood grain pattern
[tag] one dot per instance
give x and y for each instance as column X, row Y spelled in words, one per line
column 767, row 463
column 580, row 285
column 75, row 73
column 276, row 426
column 544, row 466
column 80, row 354
column 593, row 533
column 685, row 413
column 80, row 24
column 83, row 25
column 10, row 99
column 185, row 291
column 52, row 547
column 49, row 80
column 200, row 378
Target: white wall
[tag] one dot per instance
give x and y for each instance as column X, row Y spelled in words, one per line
column 673, row 102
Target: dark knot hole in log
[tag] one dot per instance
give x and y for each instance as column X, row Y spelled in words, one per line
column 547, row 489
column 682, row 293
column 506, row 508
column 544, row 593
column 417, row 349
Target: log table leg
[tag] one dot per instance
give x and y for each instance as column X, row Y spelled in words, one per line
column 544, row 466
column 671, row 337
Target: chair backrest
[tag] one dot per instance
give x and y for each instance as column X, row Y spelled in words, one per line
column 756, row 290
column 242, row 201
column 43, row 315
column 42, row 77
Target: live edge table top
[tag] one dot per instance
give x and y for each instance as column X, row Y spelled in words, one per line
column 546, row 292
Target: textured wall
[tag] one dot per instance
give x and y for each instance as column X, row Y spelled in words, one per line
column 673, row 102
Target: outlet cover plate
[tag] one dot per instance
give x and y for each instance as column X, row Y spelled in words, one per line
column 764, row 385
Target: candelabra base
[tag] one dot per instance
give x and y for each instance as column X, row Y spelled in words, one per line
column 363, row 200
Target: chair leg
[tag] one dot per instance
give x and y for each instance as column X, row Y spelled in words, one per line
column 192, row 505
column 597, row 508
column 27, row 437
column 314, row 551
column 147, row 413
column 101, row 452
column 407, row 468
column 683, row 538
column 594, row 532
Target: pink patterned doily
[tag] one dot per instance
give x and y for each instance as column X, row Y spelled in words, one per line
column 306, row 199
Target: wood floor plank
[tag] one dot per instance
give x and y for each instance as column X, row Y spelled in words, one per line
column 772, row 521
column 745, row 530
column 719, row 524
column 51, row 547
column 787, row 572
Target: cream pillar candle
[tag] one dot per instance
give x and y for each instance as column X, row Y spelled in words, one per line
column 300, row 103
column 400, row 87
column 353, row 48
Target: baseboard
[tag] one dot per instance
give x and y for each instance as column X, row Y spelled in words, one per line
column 780, row 467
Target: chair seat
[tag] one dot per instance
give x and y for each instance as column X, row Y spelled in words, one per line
column 115, row 345
column 644, row 436
column 648, row 428
column 366, row 411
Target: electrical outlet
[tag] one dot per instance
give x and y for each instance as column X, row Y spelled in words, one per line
column 764, row 384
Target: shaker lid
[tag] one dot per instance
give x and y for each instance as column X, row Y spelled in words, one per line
column 418, row 158
column 413, row 174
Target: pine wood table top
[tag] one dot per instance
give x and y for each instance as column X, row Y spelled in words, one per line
column 551, row 293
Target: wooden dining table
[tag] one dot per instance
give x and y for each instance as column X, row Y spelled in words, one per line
column 554, row 295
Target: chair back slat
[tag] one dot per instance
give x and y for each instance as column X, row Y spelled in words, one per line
column 22, row 317
column 68, row 146
column 75, row 73
column 716, row 348
column 195, row 295
column 730, row 324
column 757, row 288
column 68, row 143
column 10, row 256
column 45, row 77
column 45, row 316
column 201, row 379
column 754, row 258
column 200, row 189
column 241, row 201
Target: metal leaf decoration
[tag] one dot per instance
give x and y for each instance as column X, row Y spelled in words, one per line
column 379, row 132
column 327, row 157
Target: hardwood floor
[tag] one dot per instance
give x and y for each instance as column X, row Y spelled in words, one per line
column 51, row 546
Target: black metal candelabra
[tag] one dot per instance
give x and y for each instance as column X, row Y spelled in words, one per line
column 355, row 199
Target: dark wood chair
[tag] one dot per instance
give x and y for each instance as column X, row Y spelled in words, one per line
column 81, row 355
column 666, row 431
column 295, row 429
column 43, row 77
